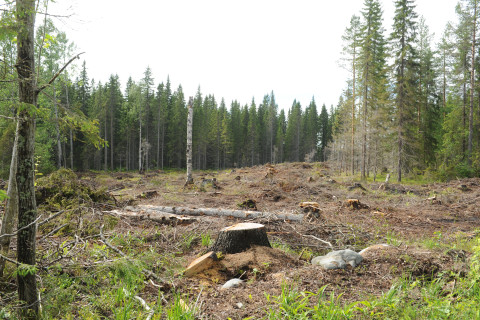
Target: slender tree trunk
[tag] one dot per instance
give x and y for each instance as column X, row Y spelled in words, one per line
column 57, row 129
column 111, row 138
column 364, row 133
column 464, row 115
column 140, row 167
column 189, row 142
column 472, row 87
column 158, row 135
column 26, row 281
column 11, row 209
column 105, row 148
column 352, row 151
column 71, row 131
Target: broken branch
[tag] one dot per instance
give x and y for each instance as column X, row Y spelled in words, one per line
column 58, row 73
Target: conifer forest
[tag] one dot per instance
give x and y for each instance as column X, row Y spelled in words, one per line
column 410, row 106
column 364, row 209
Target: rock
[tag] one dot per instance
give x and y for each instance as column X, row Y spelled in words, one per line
column 239, row 305
column 233, row 283
column 338, row 259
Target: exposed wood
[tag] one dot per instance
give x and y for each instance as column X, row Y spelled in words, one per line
column 161, row 217
column 198, row 265
column 240, row 237
column 217, row 212
column 11, row 208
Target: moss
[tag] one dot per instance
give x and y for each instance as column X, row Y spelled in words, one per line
column 63, row 190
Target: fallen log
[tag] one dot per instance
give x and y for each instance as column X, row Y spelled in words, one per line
column 243, row 214
column 161, row 217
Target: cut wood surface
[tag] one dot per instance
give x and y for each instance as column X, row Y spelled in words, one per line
column 198, row 265
column 216, row 212
column 240, row 237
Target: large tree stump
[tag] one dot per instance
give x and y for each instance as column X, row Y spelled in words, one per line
column 240, row 237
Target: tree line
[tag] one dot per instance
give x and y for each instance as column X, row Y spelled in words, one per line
column 144, row 127
column 410, row 107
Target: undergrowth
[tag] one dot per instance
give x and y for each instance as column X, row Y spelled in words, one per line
column 447, row 296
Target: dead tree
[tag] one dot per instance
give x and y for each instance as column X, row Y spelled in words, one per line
column 189, row 142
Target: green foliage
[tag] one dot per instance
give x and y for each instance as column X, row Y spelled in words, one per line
column 3, row 195
column 207, row 240
column 294, row 304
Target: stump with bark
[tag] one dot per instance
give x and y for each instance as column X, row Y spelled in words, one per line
column 240, row 237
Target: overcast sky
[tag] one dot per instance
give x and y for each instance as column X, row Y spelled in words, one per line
column 232, row 49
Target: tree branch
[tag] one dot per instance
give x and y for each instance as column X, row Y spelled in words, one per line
column 52, row 217
column 22, row 228
column 148, row 273
column 38, row 90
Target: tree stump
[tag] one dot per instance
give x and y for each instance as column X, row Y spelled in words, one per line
column 240, row 237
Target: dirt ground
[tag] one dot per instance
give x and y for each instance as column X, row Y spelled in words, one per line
column 405, row 216
column 424, row 225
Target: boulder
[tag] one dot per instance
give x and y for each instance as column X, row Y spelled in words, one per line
column 338, row 259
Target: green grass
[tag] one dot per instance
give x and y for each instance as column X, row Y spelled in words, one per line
column 447, row 296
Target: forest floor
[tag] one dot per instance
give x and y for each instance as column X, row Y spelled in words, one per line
column 431, row 230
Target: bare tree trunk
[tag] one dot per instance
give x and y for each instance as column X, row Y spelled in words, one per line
column 105, row 148
column 472, row 88
column 71, row 131
column 140, row 167
column 352, row 151
column 189, row 142
column 57, row 129
column 27, row 93
column 111, row 138
column 11, row 209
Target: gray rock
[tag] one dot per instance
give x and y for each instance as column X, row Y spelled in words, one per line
column 232, row 283
column 338, row 259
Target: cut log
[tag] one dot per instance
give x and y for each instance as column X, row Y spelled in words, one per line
column 240, row 237
column 244, row 214
column 161, row 217
column 198, row 265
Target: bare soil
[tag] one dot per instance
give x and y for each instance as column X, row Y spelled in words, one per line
column 411, row 214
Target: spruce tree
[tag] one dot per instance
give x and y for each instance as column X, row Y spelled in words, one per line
column 402, row 40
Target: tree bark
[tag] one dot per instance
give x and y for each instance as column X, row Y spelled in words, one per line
column 240, row 237
column 472, row 88
column 189, row 142
column 243, row 214
column 27, row 286
column 57, row 129
column 11, row 209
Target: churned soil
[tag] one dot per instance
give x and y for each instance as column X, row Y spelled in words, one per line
column 404, row 216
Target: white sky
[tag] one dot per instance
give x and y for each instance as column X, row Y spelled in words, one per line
column 232, row 49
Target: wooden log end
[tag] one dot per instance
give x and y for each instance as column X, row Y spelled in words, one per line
column 200, row 264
